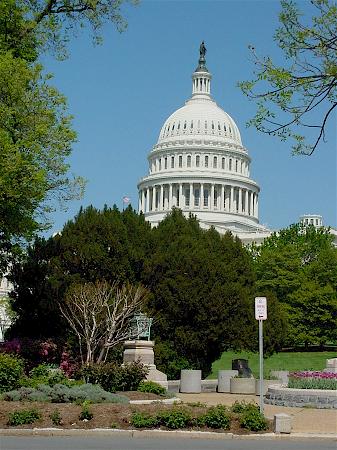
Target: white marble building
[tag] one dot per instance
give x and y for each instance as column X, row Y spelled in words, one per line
column 200, row 165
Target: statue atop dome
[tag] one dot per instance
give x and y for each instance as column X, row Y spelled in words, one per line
column 202, row 60
column 202, row 50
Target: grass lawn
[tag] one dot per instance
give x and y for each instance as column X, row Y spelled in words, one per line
column 280, row 361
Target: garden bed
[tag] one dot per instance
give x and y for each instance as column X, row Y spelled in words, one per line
column 106, row 415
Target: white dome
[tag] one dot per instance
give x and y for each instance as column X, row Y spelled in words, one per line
column 200, row 117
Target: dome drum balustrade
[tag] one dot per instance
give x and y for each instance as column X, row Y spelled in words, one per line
column 200, row 166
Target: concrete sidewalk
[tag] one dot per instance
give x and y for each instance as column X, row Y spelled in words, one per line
column 305, row 420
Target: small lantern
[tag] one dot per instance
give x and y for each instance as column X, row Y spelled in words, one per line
column 140, row 326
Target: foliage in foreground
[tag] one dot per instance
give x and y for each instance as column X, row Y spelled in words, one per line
column 63, row 394
column 215, row 417
column 287, row 94
column 23, row 417
column 113, row 377
column 152, row 387
column 11, row 371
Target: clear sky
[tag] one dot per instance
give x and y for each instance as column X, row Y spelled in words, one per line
column 121, row 93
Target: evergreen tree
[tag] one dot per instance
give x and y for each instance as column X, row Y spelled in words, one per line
column 202, row 292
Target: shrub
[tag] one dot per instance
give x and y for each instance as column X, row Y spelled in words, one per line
column 45, row 374
column 175, row 418
column 152, row 387
column 55, row 417
column 23, row 417
column 243, row 407
column 141, row 420
column 64, row 394
column 216, row 417
column 253, row 420
column 86, row 413
column 11, row 371
column 113, row 377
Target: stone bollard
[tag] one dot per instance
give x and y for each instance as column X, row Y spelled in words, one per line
column 282, row 375
column 224, row 377
column 282, row 423
column 190, row 381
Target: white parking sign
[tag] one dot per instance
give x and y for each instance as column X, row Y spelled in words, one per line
column 260, row 308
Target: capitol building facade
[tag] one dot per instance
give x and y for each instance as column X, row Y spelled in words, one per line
column 200, row 166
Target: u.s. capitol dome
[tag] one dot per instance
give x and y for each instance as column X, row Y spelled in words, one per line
column 200, row 166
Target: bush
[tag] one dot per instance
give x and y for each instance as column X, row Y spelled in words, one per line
column 141, row 420
column 23, row 417
column 175, row 418
column 216, row 417
column 55, row 417
column 64, row 394
column 254, row 421
column 11, row 371
column 152, row 387
column 86, row 413
column 113, row 377
column 243, row 407
column 45, row 374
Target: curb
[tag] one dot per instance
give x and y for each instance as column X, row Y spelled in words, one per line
column 162, row 433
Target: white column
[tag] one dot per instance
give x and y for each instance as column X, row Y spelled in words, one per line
column 161, row 198
column 222, row 200
column 170, row 195
column 212, row 197
column 154, row 198
column 139, row 201
column 181, row 203
column 232, row 200
column 143, row 200
column 240, row 201
column 257, row 207
column 201, row 195
column 191, row 196
column 246, row 202
column 251, row 203
column 147, row 200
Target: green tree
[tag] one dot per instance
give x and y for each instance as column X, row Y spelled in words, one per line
column 202, row 293
column 298, row 265
column 97, row 245
column 288, row 95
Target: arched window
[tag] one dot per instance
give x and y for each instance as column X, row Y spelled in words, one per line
column 236, row 165
column 197, row 161
column 219, row 128
column 180, row 161
column 215, row 198
column 205, row 197
column 159, row 163
column 206, row 161
column 223, row 163
column 178, row 125
column 215, row 162
column 189, row 161
column 165, row 163
column 172, row 162
column 212, row 125
column 185, row 125
column 192, row 124
column 230, row 164
column 196, row 197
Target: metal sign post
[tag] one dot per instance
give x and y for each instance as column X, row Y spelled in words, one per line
column 261, row 315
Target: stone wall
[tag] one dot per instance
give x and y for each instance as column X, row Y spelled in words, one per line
column 314, row 398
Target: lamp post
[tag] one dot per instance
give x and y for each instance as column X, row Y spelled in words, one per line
column 140, row 327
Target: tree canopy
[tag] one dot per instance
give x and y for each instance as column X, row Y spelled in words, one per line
column 36, row 134
column 298, row 265
column 287, row 95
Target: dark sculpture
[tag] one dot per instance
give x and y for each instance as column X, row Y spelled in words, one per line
column 202, row 50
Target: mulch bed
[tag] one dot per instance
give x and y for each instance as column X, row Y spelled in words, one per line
column 105, row 415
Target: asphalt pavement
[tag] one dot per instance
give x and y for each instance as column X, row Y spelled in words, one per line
column 154, row 443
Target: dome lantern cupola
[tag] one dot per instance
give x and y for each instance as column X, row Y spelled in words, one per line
column 201, row 78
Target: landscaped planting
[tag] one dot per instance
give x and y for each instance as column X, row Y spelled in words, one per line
column 64, row 394
column 313, row 380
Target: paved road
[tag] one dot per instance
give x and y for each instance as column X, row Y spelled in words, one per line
column 129, row 443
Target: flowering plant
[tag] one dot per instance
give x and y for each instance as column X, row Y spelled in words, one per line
column 314, row 374
column 313, row 380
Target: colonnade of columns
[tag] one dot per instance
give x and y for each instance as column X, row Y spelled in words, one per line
column 199, row 196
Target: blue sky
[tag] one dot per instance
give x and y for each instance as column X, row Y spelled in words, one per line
column 121, row 92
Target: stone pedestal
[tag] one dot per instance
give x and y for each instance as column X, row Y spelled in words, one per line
column 282, row 423
column 142, row 351
column 266, row 385
column 331, row 365
column 242, row 386
column 190, row 381
column 224, row 377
